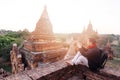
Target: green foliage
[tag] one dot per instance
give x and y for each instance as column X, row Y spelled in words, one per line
column 8, row 39
column 6, row 67
column 24, row 34
column 13, row 34
column 104, row 39
column 115, row 63
column 5, row 46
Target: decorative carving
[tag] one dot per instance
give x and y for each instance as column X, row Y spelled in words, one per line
column 16, row 60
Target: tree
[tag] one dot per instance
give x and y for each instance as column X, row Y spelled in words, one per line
column 8, row 39
column 5, row 46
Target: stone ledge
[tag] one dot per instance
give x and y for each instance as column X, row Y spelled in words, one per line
column 60, row 71
column 37, row 72
column 112, row 71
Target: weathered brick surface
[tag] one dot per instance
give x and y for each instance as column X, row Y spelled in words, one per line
column 33, row 58
column 19, row 76
column 61, row 71
column 110, row 70
column 33, row 74
column 3, row 74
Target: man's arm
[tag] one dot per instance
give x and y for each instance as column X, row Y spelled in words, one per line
column 83, row 51
column 88, row 52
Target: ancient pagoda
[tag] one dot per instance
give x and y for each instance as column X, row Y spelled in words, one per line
column 41, row 46
column 89, row 32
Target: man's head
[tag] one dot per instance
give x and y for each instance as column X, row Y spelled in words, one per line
column 91, row 41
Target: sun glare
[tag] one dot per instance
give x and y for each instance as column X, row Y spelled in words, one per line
column 66, row 16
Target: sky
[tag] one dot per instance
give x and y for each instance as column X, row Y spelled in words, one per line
column 67, row 16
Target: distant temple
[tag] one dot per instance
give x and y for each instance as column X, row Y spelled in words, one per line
column 41, row 46
column 89, row 32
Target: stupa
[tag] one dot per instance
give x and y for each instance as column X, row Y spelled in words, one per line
column 42, row 46
column 88, row 33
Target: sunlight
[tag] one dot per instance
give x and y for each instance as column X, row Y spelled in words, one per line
column 67, row 16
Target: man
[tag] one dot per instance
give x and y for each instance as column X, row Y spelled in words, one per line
column 90, row 56
column 74, row 53
column 92, row 53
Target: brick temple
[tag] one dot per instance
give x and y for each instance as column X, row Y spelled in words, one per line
column 42, row 46
column 88, row 32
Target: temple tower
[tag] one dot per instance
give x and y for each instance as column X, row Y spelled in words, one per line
column 41, row 46
column 87, row 33
column 43, row 27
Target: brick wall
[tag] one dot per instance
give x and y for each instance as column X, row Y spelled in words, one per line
column 61, row 71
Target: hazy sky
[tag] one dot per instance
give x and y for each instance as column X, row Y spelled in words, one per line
column 66, row 15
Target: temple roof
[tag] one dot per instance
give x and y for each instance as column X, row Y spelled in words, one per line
column 90, row 28
column 43, row 26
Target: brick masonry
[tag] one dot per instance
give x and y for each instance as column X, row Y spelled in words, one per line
column 61, row 71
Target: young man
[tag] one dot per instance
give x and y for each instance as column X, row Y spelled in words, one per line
column 90, row 56
column 78, row 58
column 92, row 53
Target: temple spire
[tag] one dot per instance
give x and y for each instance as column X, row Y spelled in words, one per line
column 90, row 28
column 83, row 29
column 44, row 13
column 44, row 26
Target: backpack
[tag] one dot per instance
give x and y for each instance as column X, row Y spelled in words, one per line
column 103, row 58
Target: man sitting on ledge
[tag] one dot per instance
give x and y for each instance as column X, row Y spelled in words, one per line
column 90, row 56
